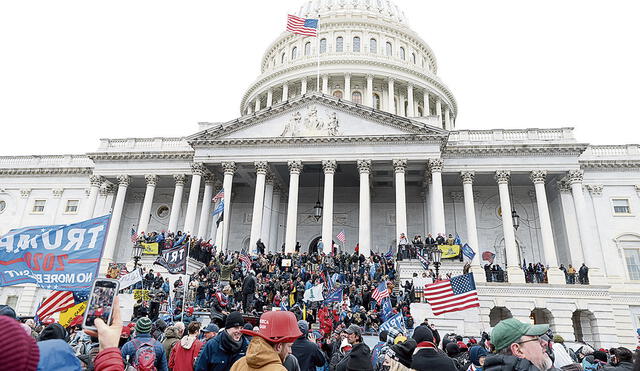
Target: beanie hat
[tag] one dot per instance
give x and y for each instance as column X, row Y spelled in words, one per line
column 234, row 319
column 143, row 326
column 403, row 352
column 125, row 332
column 452, row 349
column 19, row 350
column 303, row 326
column 53, row 331
column 558, row 339
column 6, row 310
column 475, row 353
column 600, row 356
column 422, row 333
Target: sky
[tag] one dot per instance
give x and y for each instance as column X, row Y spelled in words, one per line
column 74, row 71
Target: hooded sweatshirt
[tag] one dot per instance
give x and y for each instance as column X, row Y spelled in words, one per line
column 56, row 354
column 260, row 356
column 184, row 353
column 171, row 337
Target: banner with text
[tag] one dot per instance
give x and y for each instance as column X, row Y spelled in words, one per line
column 174, row 260
column 130, row 279
column 58, row 257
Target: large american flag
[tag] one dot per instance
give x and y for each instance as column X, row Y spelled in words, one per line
column 341, row 236
column 302, row 26
column 218, row 196
column 380, row 292
column 458, row 293
column 56, row 302
column 246, row 260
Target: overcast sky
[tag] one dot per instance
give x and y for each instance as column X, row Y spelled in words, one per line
column 72, row 72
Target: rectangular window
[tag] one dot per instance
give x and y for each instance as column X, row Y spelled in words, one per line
column 12, row 301
column 632, row 257
column 38, row 206
column 72, row 206
column 621, row 206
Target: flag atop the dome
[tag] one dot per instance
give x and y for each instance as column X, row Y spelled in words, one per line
column 302, row 26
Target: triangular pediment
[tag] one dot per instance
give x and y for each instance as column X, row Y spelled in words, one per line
column 318, row 116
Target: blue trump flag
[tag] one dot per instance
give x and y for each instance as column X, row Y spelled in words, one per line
column 468, row 251
column 396, row 322
column 59, row 257
column 386, row 309
column 334, row 297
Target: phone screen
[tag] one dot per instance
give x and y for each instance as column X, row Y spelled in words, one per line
column 101, row 302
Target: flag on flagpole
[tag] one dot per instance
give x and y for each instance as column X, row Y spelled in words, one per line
column 219, row 208
column 218, row 196
column 56, row 302
column 302, row 26
column 134, row 235
column 396, row 322
column 488, row 256
column 386, row 309
column 458, row 293
column 468, row 251
column 334, row 296
column 380, row 292
column 314, row 293
column 424, row 261
column 246, row 261
column 341, row 236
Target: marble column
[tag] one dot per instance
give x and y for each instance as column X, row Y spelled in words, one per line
column 511, row 249
column 586, row 237
column 257, row 104
column 411, row 110
column 391, row 97
column 145, row 214
column 229, row 170
column 295, row 168
column 425, row 104
column 258, row 205
column 368, row 99
column 439, row 110
column 198, row 171
column 470, row 218
column 303, row 86
column 576, row 258
column 447, row 119
column 206, row 207
column 285, row 92
column 269, row 98
column 95, row 181
column 108, row 190
column 347, row 88
column 114, row 225
column 266, row 211
column 399, row 167
column 275, row 219
column 325, row 84
column 177, row 202
column 329, row 168
column 538, row 177
column 437, row 206
column 364, row 221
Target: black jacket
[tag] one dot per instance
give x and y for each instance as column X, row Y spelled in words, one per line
column 501, row 362
column 431, row 359
column 308, row 354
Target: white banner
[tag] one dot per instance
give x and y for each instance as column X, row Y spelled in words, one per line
column 130, row 279
column 314, row 293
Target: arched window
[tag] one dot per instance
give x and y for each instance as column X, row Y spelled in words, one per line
column 356, row 97
column 373, row 46
column 323, row 45
column 282, row 57
column 307, row 48
column 337, row 94
column 339, row 43
column 376, row 101
column 294, row 52
column 356, row 44
column 402, row 54
column 389, row 49
column 413, row 58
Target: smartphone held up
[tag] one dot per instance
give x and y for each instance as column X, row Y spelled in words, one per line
column 103, row 293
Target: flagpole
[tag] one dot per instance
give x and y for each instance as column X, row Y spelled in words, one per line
column 184, row 294
column 318, row 67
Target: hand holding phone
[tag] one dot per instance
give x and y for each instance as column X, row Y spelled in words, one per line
column 101, row 302
column 108, row 336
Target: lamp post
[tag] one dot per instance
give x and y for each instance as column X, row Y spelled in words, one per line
column 137, row 254
column 317, row 211
column 437, row 257
column 515, row 218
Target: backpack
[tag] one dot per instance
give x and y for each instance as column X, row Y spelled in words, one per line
column 145, row 356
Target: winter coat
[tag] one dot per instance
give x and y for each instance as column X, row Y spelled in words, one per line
column 216, row 356
column 184, row 353
column 109, row 359
column 56, row 354
column 129, row 350
column 260, row 356
column 308, row 354
column 501, row 362
column 171, row 337
column 622, row 366
column 430, row 359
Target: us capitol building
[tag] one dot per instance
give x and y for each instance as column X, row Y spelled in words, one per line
column 374, row 144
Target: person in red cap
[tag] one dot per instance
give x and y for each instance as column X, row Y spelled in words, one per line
column 271, row 344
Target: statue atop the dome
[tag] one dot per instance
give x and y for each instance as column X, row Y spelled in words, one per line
column 311, row 125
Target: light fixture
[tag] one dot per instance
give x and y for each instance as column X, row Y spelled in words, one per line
column 515, row 218
column 317, row 211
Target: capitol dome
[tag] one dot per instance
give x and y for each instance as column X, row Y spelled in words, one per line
column 368, row 55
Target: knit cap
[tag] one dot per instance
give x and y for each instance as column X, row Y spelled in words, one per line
column 143, row 326
column 19, row 350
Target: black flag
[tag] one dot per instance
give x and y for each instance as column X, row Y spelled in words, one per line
column 174, row 259
column 220, row 219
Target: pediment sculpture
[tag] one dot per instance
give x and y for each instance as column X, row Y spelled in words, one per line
column 311, row 125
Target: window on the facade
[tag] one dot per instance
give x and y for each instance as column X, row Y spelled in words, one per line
column 356, row 97
column 38, row 206
column 389, row 49
column 307, row 48
column 72, row 206
column 632, row 257
column 282, row 57
column 413, row 58
column 402, row 53
column 373, row 46
column 621, row 206
column 323, row 45
column 337, row 94
column 356, row 44
column 376, row 101
column 339, row 43
column 294, row 52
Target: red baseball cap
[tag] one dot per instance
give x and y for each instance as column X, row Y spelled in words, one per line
column 277, row 327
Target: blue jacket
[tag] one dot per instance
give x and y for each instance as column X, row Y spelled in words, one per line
column 56, row 354
column 213, row 357
column 129, row 350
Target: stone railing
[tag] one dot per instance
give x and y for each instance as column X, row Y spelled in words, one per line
column 144, row 145
column 46, row 161
column 512, row 135
column 624, row 150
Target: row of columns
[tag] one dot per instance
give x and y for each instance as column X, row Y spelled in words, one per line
column 444, row 113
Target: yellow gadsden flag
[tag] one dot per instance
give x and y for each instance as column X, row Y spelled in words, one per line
column 449, row 251
column 66, row 316
column 150, row 248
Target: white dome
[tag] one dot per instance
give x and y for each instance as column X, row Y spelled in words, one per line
column 383, row 8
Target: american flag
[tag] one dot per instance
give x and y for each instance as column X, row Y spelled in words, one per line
column 218, row 196
column 380, row 292
column 341, row 236
column 302, row 26
column 423, row 261
column 56, row 302
column 246, row 260
column 458, row 293
column 134, row 235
